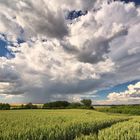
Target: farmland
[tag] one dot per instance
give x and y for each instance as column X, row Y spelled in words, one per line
column 64, row 124
column 124, row 109
column 127, row 130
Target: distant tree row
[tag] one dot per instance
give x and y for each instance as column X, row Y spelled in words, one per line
column 84, row 104
column 29, row 106
column 4, row 106
column 56, row 104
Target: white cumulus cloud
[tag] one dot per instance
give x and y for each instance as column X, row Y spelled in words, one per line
column 131, row 95
column 68, row 60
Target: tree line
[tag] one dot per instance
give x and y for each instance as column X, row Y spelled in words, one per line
column 4, row 106
column 83, row 104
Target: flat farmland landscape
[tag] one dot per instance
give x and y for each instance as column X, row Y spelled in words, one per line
column 67, row 124
column 70, row 70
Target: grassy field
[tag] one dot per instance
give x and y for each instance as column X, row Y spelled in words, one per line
column 124, row 109
column 63, row 125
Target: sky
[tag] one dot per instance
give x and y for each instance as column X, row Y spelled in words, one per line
column 70, row 50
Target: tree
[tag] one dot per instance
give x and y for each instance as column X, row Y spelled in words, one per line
column 75, row 105
column 4, row 106
column 86, row 102
column 29, row 106
column 56, row 104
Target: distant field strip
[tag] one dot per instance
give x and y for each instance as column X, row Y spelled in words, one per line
column 53, row 124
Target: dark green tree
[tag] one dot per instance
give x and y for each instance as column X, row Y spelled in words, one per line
column 75, row 105
column 56, row 104
column 86, row 102
column 29, row 106
column 4, row 106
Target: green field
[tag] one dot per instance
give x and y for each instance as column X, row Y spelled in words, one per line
column 67, row 125
column 127, row 130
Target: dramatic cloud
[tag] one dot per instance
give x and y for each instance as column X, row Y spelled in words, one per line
column 67, row 59
column 44, row 67
column 31, row 18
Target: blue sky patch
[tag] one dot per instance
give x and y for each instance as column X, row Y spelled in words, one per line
column 102, row 94
column 75, row 14
column 4, row 52
column 136, row 1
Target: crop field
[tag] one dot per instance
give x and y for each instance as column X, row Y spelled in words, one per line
column 67, row 124
column 128, row 130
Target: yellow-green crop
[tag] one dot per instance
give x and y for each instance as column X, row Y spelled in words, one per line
column 52, row 124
